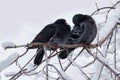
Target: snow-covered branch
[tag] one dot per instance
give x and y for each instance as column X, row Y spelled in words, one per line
column 8, row 61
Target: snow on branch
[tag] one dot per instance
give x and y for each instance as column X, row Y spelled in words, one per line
column 8, row 61
column 8, row 44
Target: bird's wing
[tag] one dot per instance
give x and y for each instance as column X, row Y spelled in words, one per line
column 44, row 35
column 88, row 34
column 61, row 35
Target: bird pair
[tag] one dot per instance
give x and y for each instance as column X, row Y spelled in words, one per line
column 59, row 32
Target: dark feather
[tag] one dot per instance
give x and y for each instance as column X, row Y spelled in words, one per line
column 56, row 33
column 84, row 31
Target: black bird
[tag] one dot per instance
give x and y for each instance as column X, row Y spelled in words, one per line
column 56, row 33
column 84, row 31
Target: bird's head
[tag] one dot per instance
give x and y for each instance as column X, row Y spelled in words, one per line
column 60, row 21
column 78, row 18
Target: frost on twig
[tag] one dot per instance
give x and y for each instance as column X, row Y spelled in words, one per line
column 8, row 74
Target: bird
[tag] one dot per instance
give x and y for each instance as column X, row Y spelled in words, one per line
column 55, row 33
column 84, row 31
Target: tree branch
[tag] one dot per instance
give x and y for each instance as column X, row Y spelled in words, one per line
column 69, row 46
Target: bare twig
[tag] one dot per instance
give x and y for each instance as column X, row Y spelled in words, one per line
column 71, row 62
column 57, row 70
column 111, row 9
column 59, row 61
column 105, row 8
column 115, row 53
column 111, row 69
column 20, row 72
column 46, row 57
column 89, row 63
column 79, row 67
column 101, row 66
column 99, row 9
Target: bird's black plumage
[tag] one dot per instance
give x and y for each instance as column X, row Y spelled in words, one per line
column 56, row 33
column 84, row 31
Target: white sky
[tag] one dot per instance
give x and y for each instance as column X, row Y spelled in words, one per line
column 29, row 16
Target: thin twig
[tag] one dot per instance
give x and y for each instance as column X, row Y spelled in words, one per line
column 115, row 53
column 20, row 72
column 71, row 62
column 59, row 61
column 46, row 58
column 89, row 63
column 111, row 9
column 79, row 67
column 111, row 69
column 99, row 9
column 57, row 70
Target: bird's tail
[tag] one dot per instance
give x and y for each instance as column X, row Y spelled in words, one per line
column 64, row 54
column 39, row 56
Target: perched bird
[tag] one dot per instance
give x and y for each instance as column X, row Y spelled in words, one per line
column 84, row 31
column 55, row 33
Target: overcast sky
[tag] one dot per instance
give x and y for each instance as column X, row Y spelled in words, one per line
column 21, row 20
